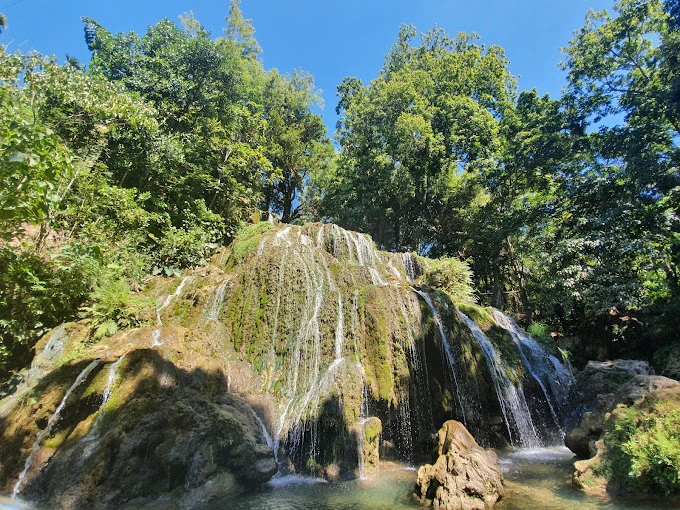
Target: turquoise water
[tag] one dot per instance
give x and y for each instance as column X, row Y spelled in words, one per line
column 534, row 479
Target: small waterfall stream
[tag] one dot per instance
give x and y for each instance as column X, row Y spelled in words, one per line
column 50, row 424
column 450, row 358
column 552, row 377
column 510, row 394
column 212, row 312
column 169, row 299
column 95, row 429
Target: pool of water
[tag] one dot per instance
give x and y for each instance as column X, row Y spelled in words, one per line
column 541, row 479
column 534, row 479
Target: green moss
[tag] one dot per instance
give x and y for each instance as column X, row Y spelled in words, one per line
column 247, row 240
column 374, row 308
column 372, row 430
column 482, row 316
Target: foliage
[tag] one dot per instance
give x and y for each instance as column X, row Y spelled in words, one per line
column 453, row 276
column 431, row 115
column 643, row 447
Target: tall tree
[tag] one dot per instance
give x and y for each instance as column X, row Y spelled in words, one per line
column 431, row 114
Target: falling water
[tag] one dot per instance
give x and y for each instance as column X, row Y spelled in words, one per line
column 212, row 312
column 156, row 338
column 511, row 397
column 360, row 448
column 169, row 299
column 450, row 358
column 108, row 391
column 409, row 266
column 263, row 428
column 50, row 424
column 376, row 278
column 546, row 369
column 418, row 367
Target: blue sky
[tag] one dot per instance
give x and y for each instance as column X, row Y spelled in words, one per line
column 329, row 39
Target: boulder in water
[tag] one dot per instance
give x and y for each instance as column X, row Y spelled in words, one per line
column 465, row 476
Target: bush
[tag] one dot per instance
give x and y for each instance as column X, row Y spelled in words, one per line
column 643, row 445
column 453, row 276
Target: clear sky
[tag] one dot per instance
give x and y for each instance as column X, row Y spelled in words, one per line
column 329, row 39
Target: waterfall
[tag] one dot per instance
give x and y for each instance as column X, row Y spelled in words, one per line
column 50, row 424
column 169, row 299
column 409, row 266
column 360, row 448
column 212, row 311
column 418, row 367
column 108, row 391
column 510, row 397
column 282, row 236
column 271, row 355
column 263, row 428
column 376, row 278
column 545, row 369
column 156, row 338
column 450, row 358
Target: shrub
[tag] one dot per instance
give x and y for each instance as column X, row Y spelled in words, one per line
column 643, row 446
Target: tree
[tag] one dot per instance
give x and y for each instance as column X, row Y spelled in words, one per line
column 432, row 114
column 296, row 140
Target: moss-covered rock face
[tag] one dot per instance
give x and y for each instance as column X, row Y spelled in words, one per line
column 276, row 350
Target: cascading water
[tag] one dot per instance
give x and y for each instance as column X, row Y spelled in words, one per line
column 212, row 312
column 552, row 377
column 95, row 429
column 418, row 367
column 50, row 424
column 510, row 395
column 169, row 299
column 450, row 358
column 409, row 267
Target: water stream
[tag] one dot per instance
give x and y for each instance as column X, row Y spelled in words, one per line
column 450, row 357
column 169, row 299
column 552, row 377
column 108, row 391
column 50, row 424
column 510, row 394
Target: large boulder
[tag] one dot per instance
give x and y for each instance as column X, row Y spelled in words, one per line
column 163, row 431
column 582, row 438
column 464, row 476
column 638, row 450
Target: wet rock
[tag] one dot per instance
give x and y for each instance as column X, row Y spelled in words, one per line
column 465, row 476
column 155, row 441
column 368, row 433
column 581, row 439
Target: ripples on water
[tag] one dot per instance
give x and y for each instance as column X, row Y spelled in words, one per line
column 391, row 490
column 534, row 479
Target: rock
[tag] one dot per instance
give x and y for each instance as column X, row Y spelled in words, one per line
column 464, row 476
column 637, row 452
column 368, row 433
column 581, row 439
column 156, row 440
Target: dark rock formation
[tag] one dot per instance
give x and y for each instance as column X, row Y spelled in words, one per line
column 465, row 476
column 601, row 387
